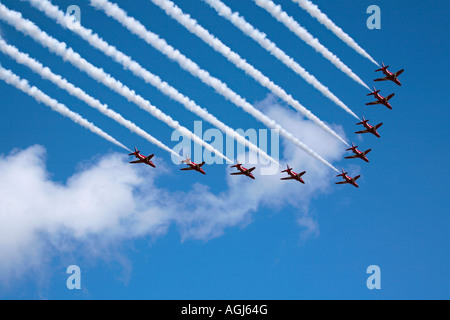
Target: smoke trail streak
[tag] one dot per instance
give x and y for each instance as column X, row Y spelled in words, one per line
column 54, row 13
column 315, row 12
column 62, row 83
column 274, row 50
column 21, row 84
column 29, row 28
column 192, row 25
column 277, row 12
column 135, row 27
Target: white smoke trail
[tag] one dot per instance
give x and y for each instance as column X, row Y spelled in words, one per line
column 54, row 13
column 46, row 73
column 135, row 27
column 277, row 12
column 21, row 84
column 29, row 28
column 316, row 13
column 192, row 25
column 261, row 38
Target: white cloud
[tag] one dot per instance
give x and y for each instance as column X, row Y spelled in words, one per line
column 110, row 202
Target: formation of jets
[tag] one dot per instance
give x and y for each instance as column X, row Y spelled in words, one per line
column 368, row 128
column 292, row 175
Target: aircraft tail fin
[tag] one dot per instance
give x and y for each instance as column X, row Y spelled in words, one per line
column 383, row 68
column 136, row 151
column 362, row 122
column 374, row 92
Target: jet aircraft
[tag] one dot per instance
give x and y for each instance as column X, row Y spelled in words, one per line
column 141, row 158
column 389, row 75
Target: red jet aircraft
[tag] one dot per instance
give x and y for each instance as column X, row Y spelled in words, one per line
column 193, row 166
column 243, row 171
column 293, row 175
column 358, row 153
column 389, row 75
column 348, row 180
column 369, row 128
column 142, row 159
column 381, row 100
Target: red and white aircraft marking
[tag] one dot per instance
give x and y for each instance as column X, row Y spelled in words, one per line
column 389, row 75
column 381, row 100
column 348, row 179
column 243, row 171
column 193, row 166
column 369, row 128
column 358, row 153
column 293, row 175
column 142, row 159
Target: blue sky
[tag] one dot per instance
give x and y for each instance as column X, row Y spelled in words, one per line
column 317, row 245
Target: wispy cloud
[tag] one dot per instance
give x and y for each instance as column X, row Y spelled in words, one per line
column 23, row 85
column 94, row 39
column 30, row 29
column 112, row 202
column 137, row 28
column 62, row 83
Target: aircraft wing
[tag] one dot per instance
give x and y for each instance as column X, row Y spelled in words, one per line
column 366, row 152
column 137, row 161
column 365, row 131
column 236, row 173
column 400, row 72
column 343, row 182
column 352, row 157
column 288, row 178
column 187, row 169
column 382, row 79
column 378, row 126
column 251, row 170
column 390, row 96
column 373, row 103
